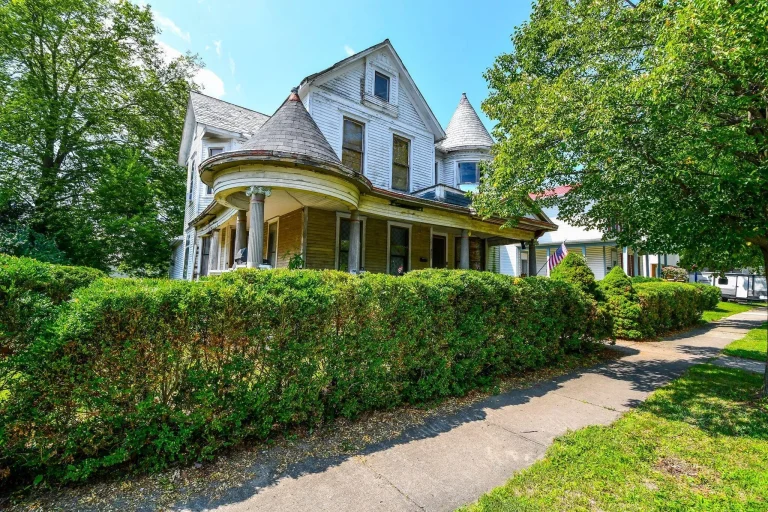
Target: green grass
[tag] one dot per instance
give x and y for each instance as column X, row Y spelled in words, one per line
column 751, row 346
column 723, row 310
column 700, row 443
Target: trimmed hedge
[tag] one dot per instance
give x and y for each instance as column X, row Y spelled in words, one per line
column 644, row 279
column 710, row 295
column 30, row 293
column 152, row 372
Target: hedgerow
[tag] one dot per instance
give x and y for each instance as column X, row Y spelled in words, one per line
column 710, row 295
column 30, row 294
column 153, row 372
column 668, row 306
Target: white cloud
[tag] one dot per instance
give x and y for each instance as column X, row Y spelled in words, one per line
column 349, row 51
column 167, row 23
column 232, row 65
column 209, row 81
column 217, row 44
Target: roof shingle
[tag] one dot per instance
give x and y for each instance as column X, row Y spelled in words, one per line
column 465, row 130
column 227, row 116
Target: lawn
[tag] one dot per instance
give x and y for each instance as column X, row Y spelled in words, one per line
column 751, row 346
column 700, row 443
column 723, row 310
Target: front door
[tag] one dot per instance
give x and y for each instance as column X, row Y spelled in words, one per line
column 653, row 270
column 439, row 249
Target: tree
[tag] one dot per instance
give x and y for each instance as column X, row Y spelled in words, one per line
column 653, row 111
column 86, row 99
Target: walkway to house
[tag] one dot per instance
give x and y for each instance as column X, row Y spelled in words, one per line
column 451, row 461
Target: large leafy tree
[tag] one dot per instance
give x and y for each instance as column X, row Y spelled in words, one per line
column 654, row 111
column 90, row 123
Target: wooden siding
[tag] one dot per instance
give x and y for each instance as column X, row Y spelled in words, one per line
column 420, row 246
column 376, row 245
column 289, row 233
column 321, row 239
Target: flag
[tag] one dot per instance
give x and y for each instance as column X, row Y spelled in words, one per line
column 557, row 257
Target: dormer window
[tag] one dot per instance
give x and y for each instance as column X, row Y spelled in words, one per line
column 381, row 86
column 469, row 173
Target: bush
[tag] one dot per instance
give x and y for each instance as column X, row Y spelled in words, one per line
column 668, row 306
column 154, row 372
column 622, row 304
column 710, row 295
column 672, row 273
column 643, row 279
column 31, row 292
column 574, row 269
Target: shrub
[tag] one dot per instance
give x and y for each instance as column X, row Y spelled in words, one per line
column 710, row 295
column 31, row 292
column 643, row 279
column 574, row 269
column 668, row 306
column 153, row 372
column 672, row 273
column 622, row 304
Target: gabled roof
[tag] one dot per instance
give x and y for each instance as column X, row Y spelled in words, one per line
column 227, row 116
column 465, row 130
column 406, row 80
column 217, row 114
column 292, row 130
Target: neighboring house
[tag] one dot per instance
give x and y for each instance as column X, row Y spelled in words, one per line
column 601, row 255
column 352, row 172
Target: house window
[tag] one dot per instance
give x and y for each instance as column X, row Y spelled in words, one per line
column 212, row 152
column 190, row 194
column 352, row 145
column 468, row 173
column 381, row 86
column 398, row 249
column 400, row 164
column 343, row 244
column 272, row 245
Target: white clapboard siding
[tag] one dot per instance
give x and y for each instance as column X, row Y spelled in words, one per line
column 541, row 262
column 508, row 260
column 595, row 261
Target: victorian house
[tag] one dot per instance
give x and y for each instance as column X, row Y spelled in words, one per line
column 352, row 172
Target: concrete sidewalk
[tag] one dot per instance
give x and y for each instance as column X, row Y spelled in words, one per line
column 451, row 461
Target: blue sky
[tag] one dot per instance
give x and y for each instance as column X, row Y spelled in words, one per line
column 255, row 51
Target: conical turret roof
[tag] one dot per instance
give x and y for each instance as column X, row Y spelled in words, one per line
column 291, row 130
column 465, row 130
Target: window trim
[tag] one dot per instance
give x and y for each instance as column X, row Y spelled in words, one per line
column 409, row 140
column 362, row 219
column 458, row 172
column 376, row 74
column 363, row 154
column 191, row 179
column 265, row 250
column 409, row 227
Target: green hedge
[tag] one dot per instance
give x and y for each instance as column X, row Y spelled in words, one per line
column 710, row 296
column 152, row 372
column 30, row 293
column 644, row 279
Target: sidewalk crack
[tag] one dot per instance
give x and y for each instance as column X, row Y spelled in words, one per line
column 361, row 460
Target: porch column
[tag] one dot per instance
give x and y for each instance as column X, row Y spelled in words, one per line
column 213, row 257
column 464, row 254
column 354, row 243
column 658, row 265
column 549, row 255
column 625, row 260
column 227, row 239
column 636, row 264
column 532, row 269
column 256, row 233
column 239, row 232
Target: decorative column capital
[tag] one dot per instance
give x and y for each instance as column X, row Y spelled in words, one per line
column 253, row 191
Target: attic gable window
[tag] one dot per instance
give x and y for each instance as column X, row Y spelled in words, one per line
column 381, row 86
column 468, row 173
column 352, row 145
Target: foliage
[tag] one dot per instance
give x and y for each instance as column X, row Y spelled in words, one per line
column 574, row 269
column 751, row 346
column 31, row 293
column 153, row 372
column 710, row 295
column 673, row 273
column 90, row 124
column 653, row 112
column 700, row 443
column 669, row 306
column 296, row 261
column 644, row 279
column 622, row 304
